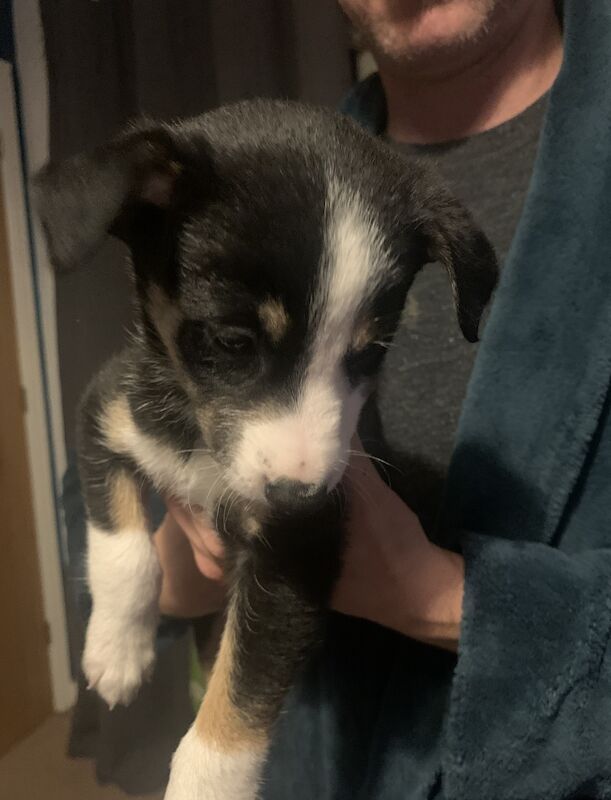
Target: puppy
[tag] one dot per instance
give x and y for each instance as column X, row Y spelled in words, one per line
column 272, row 246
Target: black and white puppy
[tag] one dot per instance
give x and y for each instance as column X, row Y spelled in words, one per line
column 272, row 246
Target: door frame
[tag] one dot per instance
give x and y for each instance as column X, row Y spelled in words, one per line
column 34, row 305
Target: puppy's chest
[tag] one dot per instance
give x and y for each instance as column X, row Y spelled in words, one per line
column 194, row 478
column 188, row 472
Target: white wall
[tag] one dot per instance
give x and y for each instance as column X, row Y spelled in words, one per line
column 34, row 95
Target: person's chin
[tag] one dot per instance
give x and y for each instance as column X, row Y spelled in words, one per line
column 438, row 27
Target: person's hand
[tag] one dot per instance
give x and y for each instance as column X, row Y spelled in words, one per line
column 190, row 554
column 392, row 573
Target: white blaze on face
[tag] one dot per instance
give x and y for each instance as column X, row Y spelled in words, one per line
column 309, row 441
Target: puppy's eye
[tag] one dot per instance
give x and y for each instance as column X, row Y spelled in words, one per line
column 235, row 341
column 366, row 360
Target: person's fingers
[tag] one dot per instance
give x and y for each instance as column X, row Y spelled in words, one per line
column 196, row 527
column 186, row 590
column 206, row 533
column 208, row 566
column 208, row 549
column 360, row 477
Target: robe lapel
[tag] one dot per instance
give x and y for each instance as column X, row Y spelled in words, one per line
column 544, row 364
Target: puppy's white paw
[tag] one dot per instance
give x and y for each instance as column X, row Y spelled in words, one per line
column 200, row 772
column 117, row 659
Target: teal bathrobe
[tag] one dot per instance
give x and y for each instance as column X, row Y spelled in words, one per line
column 524, row 711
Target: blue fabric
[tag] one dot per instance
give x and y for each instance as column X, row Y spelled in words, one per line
column 524, row 713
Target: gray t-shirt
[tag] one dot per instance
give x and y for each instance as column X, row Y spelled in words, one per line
column 426, row 372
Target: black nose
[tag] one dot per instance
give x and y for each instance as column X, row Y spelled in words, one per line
column 287, row 495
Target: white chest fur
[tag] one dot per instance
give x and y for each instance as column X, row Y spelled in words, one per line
column 193, row 477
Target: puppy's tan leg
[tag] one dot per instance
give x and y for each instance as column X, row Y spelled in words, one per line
column 222, row 755
column 282, row 583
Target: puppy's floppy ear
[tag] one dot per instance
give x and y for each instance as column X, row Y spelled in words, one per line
column 453, row 239
column 84, row 197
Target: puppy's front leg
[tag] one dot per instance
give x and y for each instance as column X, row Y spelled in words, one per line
column 221, row 756
column 274, row 619
column 124, row 579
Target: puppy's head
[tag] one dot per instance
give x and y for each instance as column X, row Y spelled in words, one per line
column 272, row 247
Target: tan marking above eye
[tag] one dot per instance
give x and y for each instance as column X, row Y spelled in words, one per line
column 274, row 319
column 363, row 336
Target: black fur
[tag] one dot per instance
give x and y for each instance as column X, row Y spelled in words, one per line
column 283, row 588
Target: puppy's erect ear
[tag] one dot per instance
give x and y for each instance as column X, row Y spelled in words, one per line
column 86, row 196
column 453, row 239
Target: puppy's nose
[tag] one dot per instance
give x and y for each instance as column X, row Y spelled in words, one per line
column 287, row 495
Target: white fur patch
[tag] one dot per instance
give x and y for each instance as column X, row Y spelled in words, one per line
column 124, row 573
column 309, row 442
column 201, row 773
column 124, row 578
column 196, row 480
column 356, row 260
